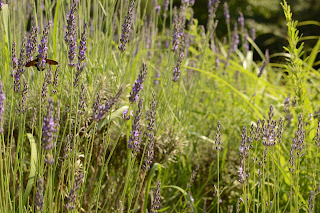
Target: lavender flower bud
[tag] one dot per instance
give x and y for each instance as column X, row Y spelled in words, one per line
column 126, row 115
column 34, row 117
column 212, row 8
column 265, row 63
column 55, row 80
column 235, row 39
column 96, row 105
column 22, row 105
column 138, row 85
column 32, row 42
column 218, row 137
column 150, row 115
column 67, row 147
column 81, row 57
column 82, row 101
column 49, row 159
column 280, row 130
column 49, row 128
column 245, row 41
column 39, row 195
column 166, row 6
column 135, row 134
column 20, row 68
column 70, row 36
column 73, row 192
column 193, row 176
column 46, row 82
column 176, row 31
column 42, row 48
column 317, row 139
column 14, row 59
column 104, row 109
column 226, row 13
column 177, row 69
column 253, row 33
column 2, row 98
column 156, row 199
column 241, row 22
column 311, row 202
column 126, row 28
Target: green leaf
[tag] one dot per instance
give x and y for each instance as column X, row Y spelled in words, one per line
column 313, row 54
column 33, row 166
column 5, row 16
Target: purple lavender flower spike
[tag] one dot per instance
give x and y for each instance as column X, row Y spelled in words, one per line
column 126, row 28
column 156, row 200
column 104, row 109
column 235, row 39
column 241, row 22
column 82, row 100
column 264, row 64
column 39, row 195
column 24, row 92
column 73, row 192
column 32, row 42
column 42, row 48
column 212, row 9
column 138, row 85
column 253, row 33
column 49, row 128
column 14, row 59
column 226, row 13
column 150, row 115
column 20, row 66
column 82, row 50
column 176, row 31
column 135, row 137
column 2, row 98
column 55, row 80
column 165, row 6
column 46, row 82
column 70, row 36
column 177, row 69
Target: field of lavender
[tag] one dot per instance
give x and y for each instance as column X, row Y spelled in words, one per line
column 149, row 111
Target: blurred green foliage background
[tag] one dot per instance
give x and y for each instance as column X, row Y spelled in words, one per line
column 265, row 16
